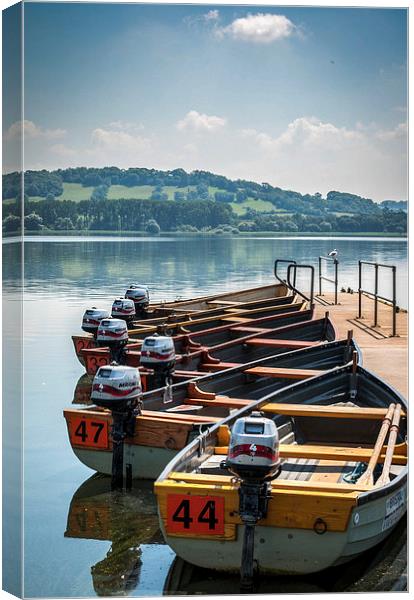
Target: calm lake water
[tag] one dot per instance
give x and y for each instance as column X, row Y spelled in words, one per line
column 80, row 539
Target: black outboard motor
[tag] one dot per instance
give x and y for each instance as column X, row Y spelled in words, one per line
column 254, row 459
column 158, row 353
column 113, row 333
column 92, row 318
column 124, row 308
column 118, row 388
column 140, row 295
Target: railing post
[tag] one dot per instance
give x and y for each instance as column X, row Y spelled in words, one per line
column 336, row 280
column 312, row 285
column 359, row 289
column 376, row 297
column 320, row 273
column 394, row 301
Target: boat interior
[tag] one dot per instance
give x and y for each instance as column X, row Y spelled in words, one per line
column 343, row 430
column 196, row 357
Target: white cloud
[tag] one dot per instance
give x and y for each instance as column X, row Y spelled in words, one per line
column 311, row 154
column 117, row 139
column 63, row 151
column 260, row 28
column 195, row 121
column 30, row 130
column 306, row 131
column 398, row 132
column 212, row 15
column 126, row 126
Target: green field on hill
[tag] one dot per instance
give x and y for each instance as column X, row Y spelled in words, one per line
column 77, row 192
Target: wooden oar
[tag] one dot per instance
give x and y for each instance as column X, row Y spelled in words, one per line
column 368, row 476
column 389, row 455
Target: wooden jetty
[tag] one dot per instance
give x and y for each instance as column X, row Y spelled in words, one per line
column 384, row 355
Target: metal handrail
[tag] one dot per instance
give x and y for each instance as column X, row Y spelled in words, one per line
column 283, row 260
column 292, row 286
column 322, row 277
column 377, row 296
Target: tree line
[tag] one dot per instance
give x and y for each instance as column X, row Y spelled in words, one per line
column 101, row 214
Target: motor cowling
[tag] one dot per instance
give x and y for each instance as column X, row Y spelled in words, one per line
column 254, row 448
column 92, row 317
column 140, row 295
column 112, row 332
column 123, row 308
column 158, row 352
column 116, row 387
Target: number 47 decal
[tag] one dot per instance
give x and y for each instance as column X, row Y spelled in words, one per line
column 195, row 514
column 85, row 432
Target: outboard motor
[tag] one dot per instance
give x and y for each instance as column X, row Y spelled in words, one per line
column 118, row 388
column 123, row 308
column 91, row 319
column 158, row 353
column 140, row 295
column 113, row 333
column 254, row 459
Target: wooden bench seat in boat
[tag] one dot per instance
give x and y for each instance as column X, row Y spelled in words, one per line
column 283, row 373
column 333, row 411
column 224, row 401
column 188, row 418
column 235, row 319
column 248, row 330
column 187, row 374
column 291, row 344
column 224, row 302
column 318, row 410
column 218, row 366
column 216, row 481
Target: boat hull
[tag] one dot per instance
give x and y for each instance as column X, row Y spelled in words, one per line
column 147, row 462
column 291, row 551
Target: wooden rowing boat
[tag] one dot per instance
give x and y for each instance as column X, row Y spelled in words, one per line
column 216, row 312
column 171, row 417
column 187, row 339
column 340, row 490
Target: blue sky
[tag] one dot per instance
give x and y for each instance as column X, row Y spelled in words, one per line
column 310, row 99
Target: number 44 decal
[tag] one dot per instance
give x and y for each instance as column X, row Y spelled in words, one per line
column 195, row 514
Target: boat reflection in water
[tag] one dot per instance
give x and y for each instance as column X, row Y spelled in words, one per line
column 82, row 393
column 383, row 568
column 125, row 519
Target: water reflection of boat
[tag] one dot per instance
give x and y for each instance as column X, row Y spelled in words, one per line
column 126, row 520
column 381, row 570
column 82, row 393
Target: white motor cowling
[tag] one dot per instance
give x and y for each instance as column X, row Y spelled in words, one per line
column 158, row 352
column 112, row 332
column 116, row 387
column 254, row 447
column 123, row 308
column 140, row 295
column 92, row 318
